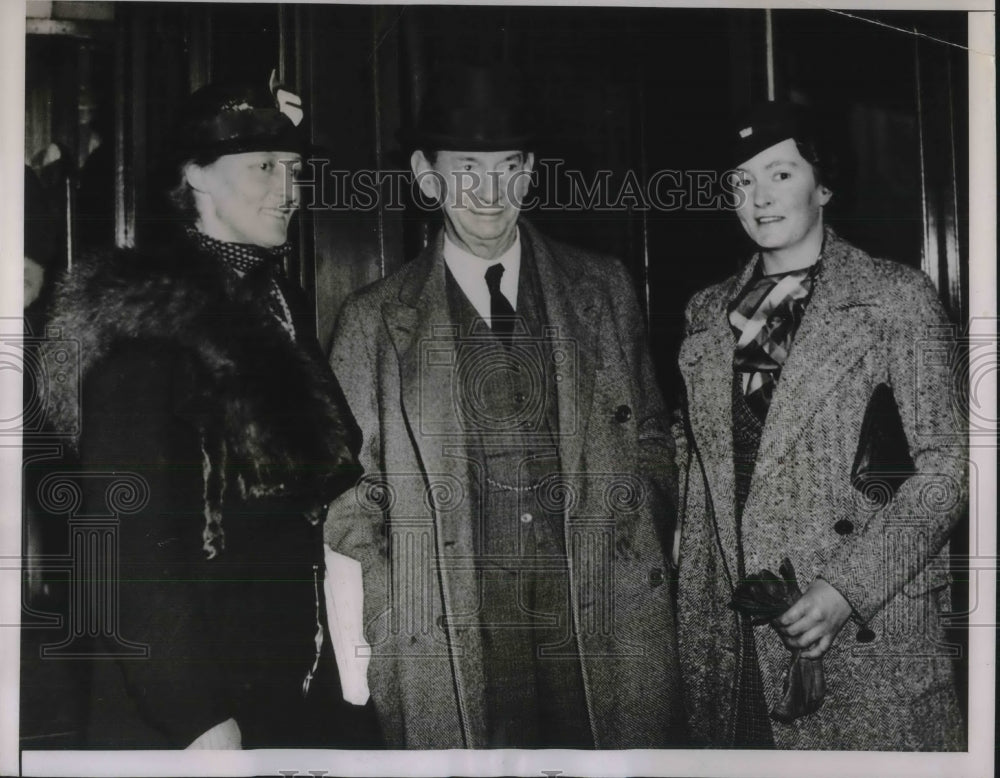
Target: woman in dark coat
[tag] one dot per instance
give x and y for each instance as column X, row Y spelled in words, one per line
column 203, row 387
column 823, row 428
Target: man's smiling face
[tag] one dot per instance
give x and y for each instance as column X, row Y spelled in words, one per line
column 481, row 193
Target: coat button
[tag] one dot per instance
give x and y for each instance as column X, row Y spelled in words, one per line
column 865, row 635
column 844, row 527
column 622, row 414
column 519, row 398
column 656, row 576
column 527, row 518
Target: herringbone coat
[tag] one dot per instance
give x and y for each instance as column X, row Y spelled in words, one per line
column 413, row 527
column 868, row 322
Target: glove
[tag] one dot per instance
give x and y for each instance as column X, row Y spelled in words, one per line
column 764, row 597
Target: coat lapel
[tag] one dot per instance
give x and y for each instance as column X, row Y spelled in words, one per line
column 572, row 313
column 824, row 350
column 706, row 361
column 419, row 325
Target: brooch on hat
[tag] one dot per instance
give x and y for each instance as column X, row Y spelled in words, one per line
column 289, row 103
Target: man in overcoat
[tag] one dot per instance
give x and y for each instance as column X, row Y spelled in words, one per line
column 510, row 525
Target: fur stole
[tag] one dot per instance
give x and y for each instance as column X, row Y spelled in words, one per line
column 272, row 417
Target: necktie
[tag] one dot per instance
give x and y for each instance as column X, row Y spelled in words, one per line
column 501, row 311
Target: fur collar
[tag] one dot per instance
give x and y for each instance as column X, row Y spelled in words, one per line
column 274, row 418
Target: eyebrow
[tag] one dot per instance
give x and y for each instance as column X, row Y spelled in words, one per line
column 781, row 161
column 473, row 158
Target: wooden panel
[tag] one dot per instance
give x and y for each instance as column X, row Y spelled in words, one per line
column 353, row 101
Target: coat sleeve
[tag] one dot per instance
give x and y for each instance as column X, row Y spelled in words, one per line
column 875, row 562
column 352, row 528
column 657, row 454
column 129, row 427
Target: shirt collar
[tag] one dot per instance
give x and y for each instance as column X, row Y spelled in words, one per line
column 470, row 273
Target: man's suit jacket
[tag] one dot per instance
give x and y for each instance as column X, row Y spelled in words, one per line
column 868, row 322
column 411, row 521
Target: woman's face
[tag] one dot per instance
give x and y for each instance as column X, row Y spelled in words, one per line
column 780, row 203
column 246, row 198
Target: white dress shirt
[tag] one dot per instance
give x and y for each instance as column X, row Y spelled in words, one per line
column 470, row 273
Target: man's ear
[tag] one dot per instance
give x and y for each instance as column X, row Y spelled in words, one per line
column 428, row 179
column 825, row 193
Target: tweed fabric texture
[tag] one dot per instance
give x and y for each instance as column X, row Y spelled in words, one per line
column 534, row 691
column 753, row 725
column 869, row 321
column 390, row 341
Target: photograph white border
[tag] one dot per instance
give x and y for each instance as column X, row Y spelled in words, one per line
column 982, row 632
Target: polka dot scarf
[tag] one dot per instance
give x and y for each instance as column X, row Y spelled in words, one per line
column 243, row 258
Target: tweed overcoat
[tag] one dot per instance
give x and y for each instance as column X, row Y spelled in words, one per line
column 868, row 322
column 411, row 522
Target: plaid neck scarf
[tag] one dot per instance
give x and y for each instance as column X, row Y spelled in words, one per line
column 765, row 317
column 244, row 258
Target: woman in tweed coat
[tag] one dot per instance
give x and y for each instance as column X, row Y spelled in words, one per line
column 873, row 567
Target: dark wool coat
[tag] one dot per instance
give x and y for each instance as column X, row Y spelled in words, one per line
column 236, row 439
column 412, row 529
column 868, row 322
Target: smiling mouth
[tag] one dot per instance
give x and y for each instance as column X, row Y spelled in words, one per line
column 769, row 219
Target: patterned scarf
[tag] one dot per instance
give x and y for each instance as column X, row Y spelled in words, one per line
column 244, row 258
column 765, row 317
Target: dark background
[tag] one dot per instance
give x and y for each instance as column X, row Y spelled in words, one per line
column 629, row 90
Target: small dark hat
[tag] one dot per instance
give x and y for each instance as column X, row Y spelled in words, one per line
column 469, row 108
column 221, row 119
column 765, row 124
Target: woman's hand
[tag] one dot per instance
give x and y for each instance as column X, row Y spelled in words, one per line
column 223, row 736
column 813, row 622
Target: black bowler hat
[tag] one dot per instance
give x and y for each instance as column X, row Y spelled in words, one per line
column 472, row 109
column 221, row 119
column 766, row 124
